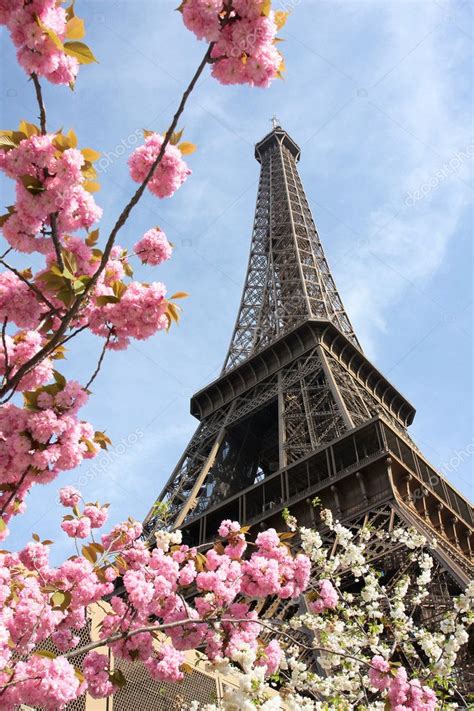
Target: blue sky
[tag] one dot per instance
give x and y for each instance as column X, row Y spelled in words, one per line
column 377, row 95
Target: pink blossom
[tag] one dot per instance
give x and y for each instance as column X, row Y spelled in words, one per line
column 328, row 597
column 139, row 314
column 243, row 33
column 228, row 527
column 171, row 172
column 49, row 683
column 62, row 191
column 97, row 515
column 18, row 302
column 166, row 665
column 36, row 51
column 271, row 657
column 78, row 527
column 202, row 18
column 19, row 350
column 96, row 669
column 153, row 248
column 34, row 556
column 379, row 668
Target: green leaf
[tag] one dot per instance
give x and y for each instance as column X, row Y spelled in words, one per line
column 61, row 142
column 51, row 34
column 128, row 269
column 91, row 186
column 117, row 678
column 88, row 171
column 70, row 261
column 89, row 554
column 186, row 148
column 61, row 599
column 70, row 11
column 29, row 129
column 286, row 536
column 80, row 51
column 280, row 18
column 72, row 138
column 30, row 400
column 101, row 439
column 45, row 653
column 32, row 184
column 59, row 378
column 75, row 29
column 176, row 137
column 7, row 143
column 119, row 289
column 90, row 154
column 92, row 238
column 104, row 300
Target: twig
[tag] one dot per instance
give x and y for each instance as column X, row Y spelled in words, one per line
column 14, row 492
column 53, row 218
column 210, row 620
column 70, row 315
column 5, row 349
column 102, row 356
column 73, row 334
column 39, row 98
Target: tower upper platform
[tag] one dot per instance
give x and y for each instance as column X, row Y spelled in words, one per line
column 278, row 136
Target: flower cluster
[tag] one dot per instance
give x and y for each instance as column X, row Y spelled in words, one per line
column 327, row 599
column 51, row 177
column 243, row 34
column 39, row 443
column 79, row 525
column 53, row 601
column 139, row 313
column 38, row 30
column 153, row 248
column 171, row 172
column 18, row 303
column 54, row 180
column 17, row 351
column 401, row 692
column 219, row 618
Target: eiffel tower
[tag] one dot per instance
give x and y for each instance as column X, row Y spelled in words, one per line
column 299, row 411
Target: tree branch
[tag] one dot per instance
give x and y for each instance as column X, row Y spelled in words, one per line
column 73, row 311
column 5, row 349
column 102, row 356
column 31, row 285
column 53, row 218
column 39, row 98
column 208, row 621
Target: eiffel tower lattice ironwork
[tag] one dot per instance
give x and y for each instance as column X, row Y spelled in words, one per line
column 298, row 411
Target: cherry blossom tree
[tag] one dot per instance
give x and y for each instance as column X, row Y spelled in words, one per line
column 163, row 598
